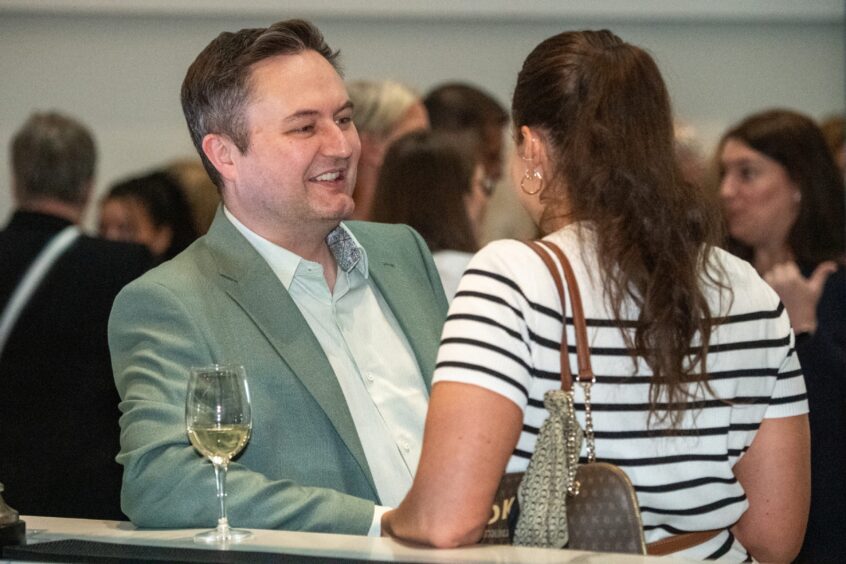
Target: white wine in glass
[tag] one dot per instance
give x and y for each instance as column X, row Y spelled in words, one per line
column 218, row 419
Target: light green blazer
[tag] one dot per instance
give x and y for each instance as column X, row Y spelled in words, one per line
column 219, row 301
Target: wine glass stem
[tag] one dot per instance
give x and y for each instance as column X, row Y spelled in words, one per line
column 220, row 478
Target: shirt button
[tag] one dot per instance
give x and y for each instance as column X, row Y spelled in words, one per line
column 370, row 377
column 406, row 447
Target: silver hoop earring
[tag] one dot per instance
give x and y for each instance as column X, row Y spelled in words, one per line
column 533, row 176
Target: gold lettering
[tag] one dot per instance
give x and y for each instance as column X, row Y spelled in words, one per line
column 506, row 507
column 495, row 517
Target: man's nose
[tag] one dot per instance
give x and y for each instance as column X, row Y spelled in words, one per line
column 337, row 142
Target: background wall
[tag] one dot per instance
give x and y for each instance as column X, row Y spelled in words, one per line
column 118, row 66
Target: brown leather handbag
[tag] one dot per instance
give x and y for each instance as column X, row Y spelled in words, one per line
column 592, row 506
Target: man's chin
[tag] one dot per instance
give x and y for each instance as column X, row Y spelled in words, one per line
column 340, row 214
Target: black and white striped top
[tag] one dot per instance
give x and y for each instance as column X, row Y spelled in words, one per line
column 503, row 333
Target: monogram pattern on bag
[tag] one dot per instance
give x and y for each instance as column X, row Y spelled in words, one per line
column 605, row 515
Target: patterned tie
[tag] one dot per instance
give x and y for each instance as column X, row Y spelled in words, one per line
column 346, row 252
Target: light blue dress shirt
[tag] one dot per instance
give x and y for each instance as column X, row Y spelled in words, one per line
column 369, row 354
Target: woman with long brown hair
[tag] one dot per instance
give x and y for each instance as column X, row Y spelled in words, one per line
column 698, row 394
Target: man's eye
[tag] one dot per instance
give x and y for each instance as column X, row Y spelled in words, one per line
column 343, row 121
column 304, row 129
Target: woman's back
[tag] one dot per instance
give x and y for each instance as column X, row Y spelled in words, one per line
column 683, row 474
column 594, row 146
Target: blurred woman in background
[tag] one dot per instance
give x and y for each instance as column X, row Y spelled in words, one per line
column 385, row 110
column 200, row 192
column 783, row 201
column 436, row 183
column 150, row 209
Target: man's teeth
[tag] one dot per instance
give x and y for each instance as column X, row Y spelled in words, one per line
column 328, row 176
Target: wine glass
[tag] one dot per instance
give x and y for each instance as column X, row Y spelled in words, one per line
column 217, row 416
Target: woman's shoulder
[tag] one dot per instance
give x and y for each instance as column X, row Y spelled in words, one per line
column 505, row 268
column 727, row 273
column 508, row 258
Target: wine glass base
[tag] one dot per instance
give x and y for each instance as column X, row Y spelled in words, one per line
column 231, row 536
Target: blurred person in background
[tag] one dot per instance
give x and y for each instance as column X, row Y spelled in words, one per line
column 58, row 402
column 782, row 197
column 152, row 210
column 384, row 111
column 201, row 193
column 689, row 154
column 459, row 107
column 834, row 130
column 435, row 182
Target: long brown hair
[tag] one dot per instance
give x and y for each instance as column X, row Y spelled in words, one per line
column 605, row 112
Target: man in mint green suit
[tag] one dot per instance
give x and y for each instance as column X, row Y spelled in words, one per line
column 337, row 324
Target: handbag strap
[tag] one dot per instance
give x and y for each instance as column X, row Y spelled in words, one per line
column 33, row 277
column 582, row 349
column 566, row 375
column 580, row 325
column 677, row 543
column 586, row 377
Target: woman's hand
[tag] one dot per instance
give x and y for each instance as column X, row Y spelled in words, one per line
column 800, row 295
column 386, row 524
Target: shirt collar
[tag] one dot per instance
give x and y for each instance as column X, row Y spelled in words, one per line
column 348, row 252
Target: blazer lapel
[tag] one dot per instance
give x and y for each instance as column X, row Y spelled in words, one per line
column 247, row 278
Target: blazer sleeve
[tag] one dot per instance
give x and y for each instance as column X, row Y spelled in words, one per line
column 154, row 338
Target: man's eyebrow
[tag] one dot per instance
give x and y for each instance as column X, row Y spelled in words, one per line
column 347, row 106
column 301, row 114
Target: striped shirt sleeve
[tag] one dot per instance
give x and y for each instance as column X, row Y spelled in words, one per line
column 485, row 339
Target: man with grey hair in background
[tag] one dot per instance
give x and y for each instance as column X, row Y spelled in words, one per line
column 385, row 110
column 58, row 403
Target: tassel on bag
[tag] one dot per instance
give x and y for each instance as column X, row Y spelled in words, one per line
column 551, row 476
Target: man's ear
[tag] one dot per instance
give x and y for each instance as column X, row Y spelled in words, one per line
column 221, row 151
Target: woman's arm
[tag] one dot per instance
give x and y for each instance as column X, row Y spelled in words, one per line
column 470, row 435
column 776, row 475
